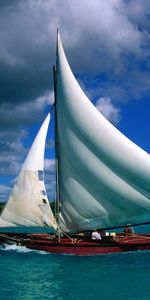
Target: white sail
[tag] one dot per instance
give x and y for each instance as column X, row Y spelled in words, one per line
column 28, row 203
column 104, row 177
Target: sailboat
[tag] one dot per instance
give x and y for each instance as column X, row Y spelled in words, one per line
column 102, row 180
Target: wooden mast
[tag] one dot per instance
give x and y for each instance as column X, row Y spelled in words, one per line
column 57, row 196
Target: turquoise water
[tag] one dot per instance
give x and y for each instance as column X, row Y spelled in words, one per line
column 28, row 275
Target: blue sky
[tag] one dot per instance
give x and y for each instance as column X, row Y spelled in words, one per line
column 107, row 45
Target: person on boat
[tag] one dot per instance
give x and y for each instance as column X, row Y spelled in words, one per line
column 96, row 235
column 128, row 230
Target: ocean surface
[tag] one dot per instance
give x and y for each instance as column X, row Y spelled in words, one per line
column 28, row 275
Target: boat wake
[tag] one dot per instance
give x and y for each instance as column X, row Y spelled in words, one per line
column 13, row 247
column 20, row 249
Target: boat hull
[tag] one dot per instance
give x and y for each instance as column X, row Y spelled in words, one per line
column 79, row 246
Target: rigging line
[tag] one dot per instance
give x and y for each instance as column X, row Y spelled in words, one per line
column 69, row 237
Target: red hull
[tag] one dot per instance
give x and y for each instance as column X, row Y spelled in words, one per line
column 79, row 246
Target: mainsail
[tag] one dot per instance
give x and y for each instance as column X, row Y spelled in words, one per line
column 104, row 178
column 28, row 203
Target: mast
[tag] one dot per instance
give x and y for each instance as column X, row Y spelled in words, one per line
column 57, row 196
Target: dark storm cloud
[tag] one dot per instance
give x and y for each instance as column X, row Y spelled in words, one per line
column 12, row 151
column 11, row 116
column 24, row 59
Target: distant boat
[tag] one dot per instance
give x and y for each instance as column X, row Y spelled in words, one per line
column 102, row 180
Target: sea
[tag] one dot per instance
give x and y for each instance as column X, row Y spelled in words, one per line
column 37, row 275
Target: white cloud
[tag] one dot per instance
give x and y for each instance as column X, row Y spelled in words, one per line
column 49, row 165
column 138, row 12
column 3, row 188
column 4, row 192
column 108, row 109
column 50, row 184
column 50, row 179
column 98, row 28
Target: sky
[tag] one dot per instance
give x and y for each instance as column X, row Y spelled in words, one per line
column 107, row 46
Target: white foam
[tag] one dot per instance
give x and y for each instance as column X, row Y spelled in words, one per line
column 13, row 247
column 20, row 249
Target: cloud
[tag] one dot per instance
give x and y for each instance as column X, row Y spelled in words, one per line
column 107, row 108
column 24, row 113
column 99, row 37
column 49, row 165
column 50, row 177
column 4, row 192
column 12, row 151
column 50, row 184
column 138, row 12
column 50, row 144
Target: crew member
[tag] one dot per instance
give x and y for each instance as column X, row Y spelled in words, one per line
column 128, row 230
column 96, row 235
